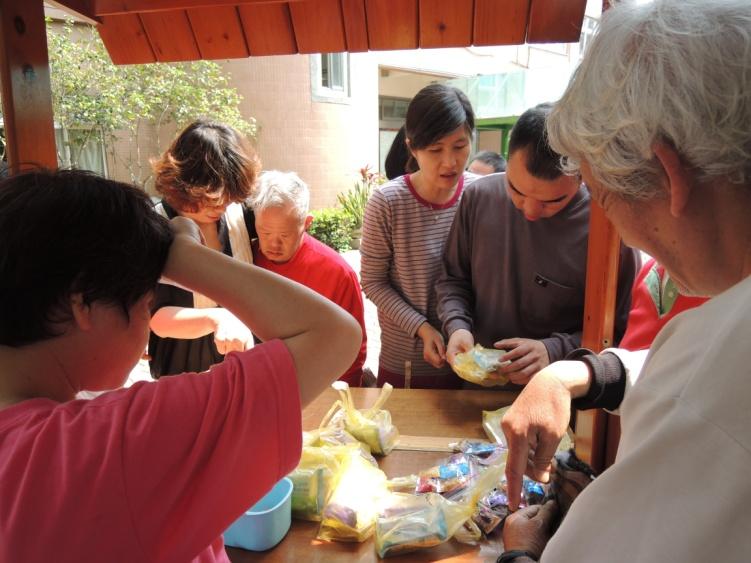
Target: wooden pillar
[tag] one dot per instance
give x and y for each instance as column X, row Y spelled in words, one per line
column 599, row 313
column 26, row 92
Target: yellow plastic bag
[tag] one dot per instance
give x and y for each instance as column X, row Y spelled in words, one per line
column 315, row 477
column 351, row 512
column 479, row 366
column 371, row 426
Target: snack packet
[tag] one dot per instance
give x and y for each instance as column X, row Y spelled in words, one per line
column 484, row 453
column 449, row 477
column 479, row 366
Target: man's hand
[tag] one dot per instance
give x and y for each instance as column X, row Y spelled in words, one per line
column 460, row 341
column 433, row 348
column 230, row 334
column 530, row 528
column 537, row 420
column 527, row 358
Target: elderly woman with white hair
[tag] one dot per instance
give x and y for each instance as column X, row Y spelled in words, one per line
column 658, row 122
column 280, row 204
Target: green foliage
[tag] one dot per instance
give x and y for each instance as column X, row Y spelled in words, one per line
column 332, row 227
column 354, row 201
column 92, row 94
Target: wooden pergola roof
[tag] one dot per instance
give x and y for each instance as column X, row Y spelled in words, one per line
column 143, row 31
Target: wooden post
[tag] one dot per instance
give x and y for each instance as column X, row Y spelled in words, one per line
column 599, row 312
column 26, row 92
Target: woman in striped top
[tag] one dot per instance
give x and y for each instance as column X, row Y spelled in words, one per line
column 405, row 227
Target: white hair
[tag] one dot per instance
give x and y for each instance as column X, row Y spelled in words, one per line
column 278, row 189
column 675, row 71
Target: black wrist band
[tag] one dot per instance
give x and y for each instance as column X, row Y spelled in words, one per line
column 511, row 556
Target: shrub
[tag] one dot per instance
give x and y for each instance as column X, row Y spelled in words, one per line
column 354, row 201
column 332, row 227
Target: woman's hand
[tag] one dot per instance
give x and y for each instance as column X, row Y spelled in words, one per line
column 186, row 229
column 529, row 529
column 230, row 334
column 460, row 341
column 433, row 351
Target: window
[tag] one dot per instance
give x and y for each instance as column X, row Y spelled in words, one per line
column 329, row 77
column 589, row 26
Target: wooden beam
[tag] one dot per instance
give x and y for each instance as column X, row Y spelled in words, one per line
column 116, row 7
column 603, row 254
column 268, row 29
column 355, row 25
column 392, row 24
column 125, row 40
column 500, row 23
column 554, row 21
column 81, row 9
column 218, row 32
column 319, row 27
column 26, row 91
column 446, row 24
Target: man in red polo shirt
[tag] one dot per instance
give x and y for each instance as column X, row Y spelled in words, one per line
column 280, row 205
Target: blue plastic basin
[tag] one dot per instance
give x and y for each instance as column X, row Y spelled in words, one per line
column 266, row 523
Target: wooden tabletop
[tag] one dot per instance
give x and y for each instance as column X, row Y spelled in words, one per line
column 415, row 412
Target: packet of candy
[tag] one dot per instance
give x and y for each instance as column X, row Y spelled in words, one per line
column 485, row 453
column 455, row 474
column 479, row 366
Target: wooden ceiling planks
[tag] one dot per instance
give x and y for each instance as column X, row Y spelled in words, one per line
column 113, row 7
column 171, row 36
column 319, row 27
column 446, row 24
column 500, row 22
column 126, row 40
column 392, row 24
column 218, row 32
column 268, row 29
column 555, row 21
column 355, row 25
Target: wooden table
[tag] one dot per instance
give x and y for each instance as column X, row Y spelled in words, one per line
column 416, row 412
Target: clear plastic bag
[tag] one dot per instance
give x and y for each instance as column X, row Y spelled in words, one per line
column 371, row 426
column 351, row 511
column 485, row 453
column 479, row 366
column 456, row 473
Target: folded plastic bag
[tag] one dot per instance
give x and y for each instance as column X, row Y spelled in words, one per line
column 479, row 366
column 371, row 426
column 351, row 511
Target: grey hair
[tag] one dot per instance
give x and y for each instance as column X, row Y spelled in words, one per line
column 675, row 71
column 277, row 189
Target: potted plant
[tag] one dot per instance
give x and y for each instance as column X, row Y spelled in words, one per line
column 354, row 201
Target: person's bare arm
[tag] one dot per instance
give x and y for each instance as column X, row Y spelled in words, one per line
column 322, row 338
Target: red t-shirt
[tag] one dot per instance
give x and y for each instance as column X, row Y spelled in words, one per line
column 653, row 304
column 155, row 472
column 323, row 270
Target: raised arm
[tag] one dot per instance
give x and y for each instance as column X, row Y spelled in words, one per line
column 322, row 338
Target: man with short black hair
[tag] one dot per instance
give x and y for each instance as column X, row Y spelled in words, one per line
column 487, row 162
column 515, row 262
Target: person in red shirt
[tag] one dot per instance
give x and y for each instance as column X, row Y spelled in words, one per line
column 158, row 471
column 280, row 204
column 655, row 300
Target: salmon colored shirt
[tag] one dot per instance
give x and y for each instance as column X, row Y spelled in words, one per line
column 155, row 472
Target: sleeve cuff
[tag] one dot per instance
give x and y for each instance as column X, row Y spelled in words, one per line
column 450, row 327
column 608, row 380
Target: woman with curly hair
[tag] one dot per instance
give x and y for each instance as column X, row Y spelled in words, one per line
column 204, row 176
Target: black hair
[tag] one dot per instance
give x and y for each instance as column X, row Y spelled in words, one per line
column 529, row 133
column 492, row 159
column 71, row 231
column 433, row 113
column 395, row 164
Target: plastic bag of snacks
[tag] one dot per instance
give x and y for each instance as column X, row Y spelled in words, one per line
column 315, row 477
column 492, row 508
column 351, row 511
column 408, row 522
column 485, row 453
column 371, row 426
column 479, row 366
